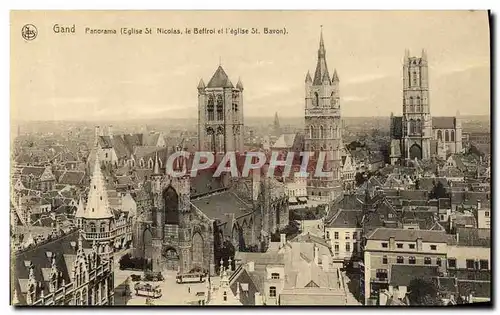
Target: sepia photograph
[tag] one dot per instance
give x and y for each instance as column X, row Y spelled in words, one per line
column 250, row 158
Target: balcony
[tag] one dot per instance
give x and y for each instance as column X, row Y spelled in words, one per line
column 379, row 280
column 322, row 111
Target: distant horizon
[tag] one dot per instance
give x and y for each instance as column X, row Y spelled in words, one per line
column 80, row 77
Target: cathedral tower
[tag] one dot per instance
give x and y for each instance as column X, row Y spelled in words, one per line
column 416, row 121
column 323, row 127
column 220, row 114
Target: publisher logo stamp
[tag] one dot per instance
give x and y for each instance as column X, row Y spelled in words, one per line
column 29, row 32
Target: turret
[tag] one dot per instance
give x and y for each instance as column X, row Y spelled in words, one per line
column 239, row 85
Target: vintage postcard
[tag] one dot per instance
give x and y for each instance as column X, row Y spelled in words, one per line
column 320, row 158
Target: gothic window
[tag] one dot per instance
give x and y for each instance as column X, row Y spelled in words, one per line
column 452, row 135
column 419, row 126
column 311, row 131
column 419, row 105
column 235, row 102
column 331, row 132
column 316, row 99
column 414, row 78
column 92, row 227
column 220, row 108
column 321, row 132
column 412, row 126
column 171, row 206
column 410, row 108
column 78, row 300
column 440, row 135
column 141, row 163
column 84, row 297
column 210, row 108
column 103, row 227
column 150, row 163
column 446, row 136
column 197, row 251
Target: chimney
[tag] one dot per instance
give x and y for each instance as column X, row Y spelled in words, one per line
column 325, row 263
column 478, row 204
column 419, row 244
column 251, row 266
column 282, row 240
column 392, row 243
column 316, row 254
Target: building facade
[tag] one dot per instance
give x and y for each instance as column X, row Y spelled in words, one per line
column 323, row 127
column 416, row 134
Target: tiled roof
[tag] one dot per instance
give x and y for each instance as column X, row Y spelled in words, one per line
column 33, row 170
column 408, row 235
column 345, row 218
column 220, row 205
column 72, row 178
column 402, row 275
column 472, row 237
column 443, row 122
column 220, row 79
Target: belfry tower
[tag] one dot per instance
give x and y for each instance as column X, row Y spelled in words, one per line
column 220, row 114
column 323, row 127
column 417, row 121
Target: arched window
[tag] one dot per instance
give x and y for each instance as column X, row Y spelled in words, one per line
column 452, row 135
column 141, row 163
column 210, row 108
column 311, row 131
column 316, row 99
column 103, row 227
column 446, row 136
column 440, row 135
column 92, row 227
column 414, row 78
column 410, row 105
column 331, row 132
column 171, row 206
column 412, row 127
column 150, row 163
column 220, row 108
column 419, row 126
column 321, row 132
column 418, row 107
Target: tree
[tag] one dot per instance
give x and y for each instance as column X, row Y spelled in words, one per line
column 423, row 292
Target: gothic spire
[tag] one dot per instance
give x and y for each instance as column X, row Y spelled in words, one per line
column 97, row 203
column 335, row 77
column 321, row 67
column 156, row 169
column 308, row 77
column 80, row 210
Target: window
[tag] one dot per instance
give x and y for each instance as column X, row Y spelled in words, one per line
column 384, row 260
column 327, row 235
column 452, row 263
column 336, row 235
column 414, row 78
column 347, row 236
column 412, row 246
column 354, row 235
column 487, row 214
column 275, row 275
column 433, row 247
column 316, row 99
column 483, row 264
column 348, row 247
column 272, row 291
column 381, row 274
column 337, row 247
column 411, row 260
column 92, row 228
column 219, row 108
column 399, row 245
column 400, row 260
column 225, row 296
column 427, row 261
column 438, row 262
column 384, row 245
column 470, row 263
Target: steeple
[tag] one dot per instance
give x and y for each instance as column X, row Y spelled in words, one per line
column 80, row 210
column 335, row 77
column 321, row 67
column 97, row 204
column 239, row 85
column 276, row 121
column 201, row 85
column 156, row 168
column 308, row 77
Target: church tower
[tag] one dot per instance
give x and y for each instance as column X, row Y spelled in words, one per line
column 97, row 219
column 416, row 121
column 323, row 127
column 220, row 114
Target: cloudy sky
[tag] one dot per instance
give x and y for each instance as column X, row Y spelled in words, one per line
column 87, row 77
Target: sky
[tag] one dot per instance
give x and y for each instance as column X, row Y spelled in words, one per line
column 100, row 77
